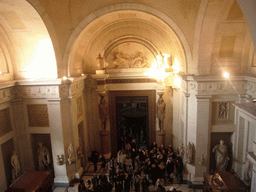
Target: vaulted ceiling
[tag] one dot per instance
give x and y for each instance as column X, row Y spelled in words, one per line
column 206, row 37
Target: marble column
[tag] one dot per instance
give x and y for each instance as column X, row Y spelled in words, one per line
column 202, row 137
column 21, row 135
column 78, row 169
column 57, row 122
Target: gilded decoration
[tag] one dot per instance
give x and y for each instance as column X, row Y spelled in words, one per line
column 5, row 122
column 38, row 115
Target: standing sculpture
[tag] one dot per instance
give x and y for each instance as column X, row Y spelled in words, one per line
column 189, row 153
column 161, row 112
column 71, row 156
column 43, row 157
column 103, row 110
column 16, row 165
column 221, row 156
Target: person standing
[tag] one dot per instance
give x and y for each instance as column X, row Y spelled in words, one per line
column 127, row 183
column 137, row 182
column 145, row 185
column 123, row 161
column 179, row 168
column 170, row 169
column 95, row 160
column 81, row 186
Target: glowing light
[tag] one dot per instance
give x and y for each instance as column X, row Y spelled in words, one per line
column 177, row 82
column 64, row 78
column 0, row 72
column 226, row 75
column 166, row 64
column 176, row 65
column 42, row 63
column 82, row 74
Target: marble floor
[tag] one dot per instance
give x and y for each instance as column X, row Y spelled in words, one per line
column 89, row 171
column 182, row 187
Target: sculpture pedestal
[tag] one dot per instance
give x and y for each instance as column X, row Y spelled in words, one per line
column 160, row 138
column 104, row 142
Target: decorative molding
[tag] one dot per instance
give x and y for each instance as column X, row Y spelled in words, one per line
column 214, row 85
column 6, row 95
column 90, row 83
column 39, row 91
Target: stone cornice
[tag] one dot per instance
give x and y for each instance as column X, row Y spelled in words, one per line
column 214, row 85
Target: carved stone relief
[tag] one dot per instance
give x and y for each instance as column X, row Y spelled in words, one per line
column 223, row 110
column 132, row 60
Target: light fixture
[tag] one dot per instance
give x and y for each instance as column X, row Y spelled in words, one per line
column 82, row 74
column 64, row 78
column 226, row 75
column 163, row 73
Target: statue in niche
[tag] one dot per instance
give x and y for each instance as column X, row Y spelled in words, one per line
column 221, row 156
column 100, row 61
column 223, row 110
column 103, row 110
column 189, row 153
column 16, row 165
column 248, row 171
column 161, row 112
column 71, row 156
column 43, row 157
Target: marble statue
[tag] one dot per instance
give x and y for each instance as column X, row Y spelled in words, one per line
column 16, row 165
column 100, row 62
column 189, row 153
column 103, row 110
column 71, row 157
column 161, row 112
column 221, row 156
column 43, row 157
column 181, row 150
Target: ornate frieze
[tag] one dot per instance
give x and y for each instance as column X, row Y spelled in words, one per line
column 39, row 91
column 214, row 86
column 76, row 87
column 251, row 88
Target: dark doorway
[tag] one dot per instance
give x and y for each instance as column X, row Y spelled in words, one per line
column 132, row 120
column 132, row 112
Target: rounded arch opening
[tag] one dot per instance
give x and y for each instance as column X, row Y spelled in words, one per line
column 115, row 25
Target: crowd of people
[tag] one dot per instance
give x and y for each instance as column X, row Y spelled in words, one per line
column 154, row 165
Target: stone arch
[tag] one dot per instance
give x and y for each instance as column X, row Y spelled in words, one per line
column 157, row 15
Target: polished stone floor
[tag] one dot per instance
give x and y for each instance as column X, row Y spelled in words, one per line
column 182, row 187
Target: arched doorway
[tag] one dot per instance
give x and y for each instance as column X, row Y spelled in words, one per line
column 132, row 120
column 132, row 112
